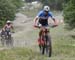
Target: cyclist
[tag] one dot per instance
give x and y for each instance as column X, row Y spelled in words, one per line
column 42, row 20
column 8, row 27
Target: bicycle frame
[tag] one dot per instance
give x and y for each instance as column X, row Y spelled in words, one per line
column 44, row 40
column 44, row 33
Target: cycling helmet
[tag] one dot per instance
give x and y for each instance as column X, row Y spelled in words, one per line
column 46, row 8
column 8, row 21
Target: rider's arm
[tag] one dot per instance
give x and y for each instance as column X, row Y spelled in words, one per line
column 37, row 17
column 12, row 28
column 52, row 17
column 35, row 20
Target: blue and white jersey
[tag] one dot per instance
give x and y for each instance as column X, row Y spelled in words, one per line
column 41, row 15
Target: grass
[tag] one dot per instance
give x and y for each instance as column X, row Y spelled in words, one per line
column 19, row 54
column 62, row 42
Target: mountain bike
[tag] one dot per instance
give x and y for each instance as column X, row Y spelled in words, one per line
column 8, row 37
column 45, row 40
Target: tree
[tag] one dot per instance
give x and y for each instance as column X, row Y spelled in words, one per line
column 54, row 4
column 17, row 3
column 8, row 9
column 69, row 14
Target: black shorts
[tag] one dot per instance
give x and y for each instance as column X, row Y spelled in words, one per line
column 43, row 22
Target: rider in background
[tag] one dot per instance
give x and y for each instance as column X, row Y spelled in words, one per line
column 9, row 26
column 43, row 17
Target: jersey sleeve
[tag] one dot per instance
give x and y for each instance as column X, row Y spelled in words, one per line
column 50, row 14
column 39, row 14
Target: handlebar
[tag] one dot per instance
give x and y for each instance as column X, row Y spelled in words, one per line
column 50, row 25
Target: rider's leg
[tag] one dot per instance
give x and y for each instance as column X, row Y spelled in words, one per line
column 39, row 39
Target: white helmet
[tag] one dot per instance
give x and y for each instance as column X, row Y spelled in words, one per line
column 8, row 21
column 46, row 8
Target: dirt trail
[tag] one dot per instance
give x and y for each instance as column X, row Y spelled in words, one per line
column 23, row 25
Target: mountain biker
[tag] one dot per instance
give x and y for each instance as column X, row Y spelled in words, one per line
column 8, row 26
column 42, row 19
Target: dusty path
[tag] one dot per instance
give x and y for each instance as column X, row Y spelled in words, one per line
column 23, row 25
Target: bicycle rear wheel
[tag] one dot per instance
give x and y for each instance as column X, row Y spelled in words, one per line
column 50, row 46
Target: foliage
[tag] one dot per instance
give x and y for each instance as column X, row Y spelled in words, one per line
column 8, row 9
column 69, row 14
column 17, row 3
column 54, row 4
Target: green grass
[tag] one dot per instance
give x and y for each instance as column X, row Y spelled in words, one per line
column 62, row 47
column 63, row 43
column 19, row 54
